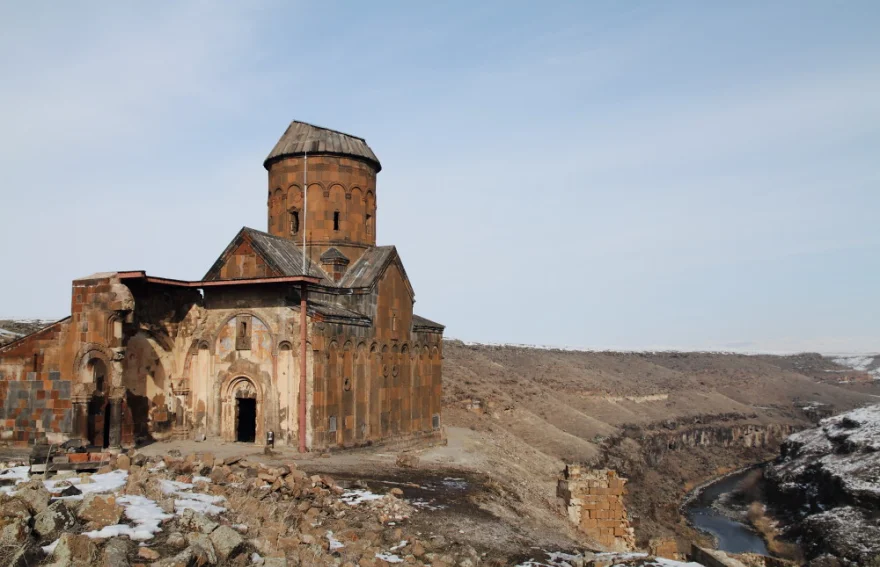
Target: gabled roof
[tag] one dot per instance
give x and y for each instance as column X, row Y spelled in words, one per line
column 368, row 267
column 302, row 137
column 422, row 324
column 281, row 254
column 334, row 254
column 285, row 258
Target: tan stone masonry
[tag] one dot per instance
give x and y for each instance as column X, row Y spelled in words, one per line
column 594, row 501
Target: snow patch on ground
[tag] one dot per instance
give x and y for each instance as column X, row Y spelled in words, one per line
column 425, row 504
column 50, row 549
column 334, row 543
column 389, row 558
column 355, row 496
column 16, row 474
column 146, row 515
column 101, row 483
column 188, row 500
column 455, row 483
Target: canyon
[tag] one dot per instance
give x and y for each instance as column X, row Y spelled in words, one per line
column 666, row 421
column 521, row 422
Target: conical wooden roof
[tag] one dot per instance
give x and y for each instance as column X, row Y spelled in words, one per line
column 301, row 138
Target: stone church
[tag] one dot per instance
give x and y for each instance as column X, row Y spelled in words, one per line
column 305, row 331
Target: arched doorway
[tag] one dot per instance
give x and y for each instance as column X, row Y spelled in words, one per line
column 243, row 401
column 98, row 419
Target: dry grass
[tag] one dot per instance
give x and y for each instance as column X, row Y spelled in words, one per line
column 766, row 526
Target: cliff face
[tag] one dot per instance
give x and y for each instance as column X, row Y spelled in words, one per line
column 667, row 421
column 828, row 480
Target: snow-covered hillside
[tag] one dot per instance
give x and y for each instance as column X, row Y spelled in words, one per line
column 828, row 479
column 869, row 363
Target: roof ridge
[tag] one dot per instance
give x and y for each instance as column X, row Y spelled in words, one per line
column 270, row 235
column 328, row 129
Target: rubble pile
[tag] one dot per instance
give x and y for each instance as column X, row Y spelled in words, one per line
column 202, row 511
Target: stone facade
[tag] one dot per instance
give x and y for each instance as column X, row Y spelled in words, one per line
column 341, row 204
column 145, row 358
column 593, row 500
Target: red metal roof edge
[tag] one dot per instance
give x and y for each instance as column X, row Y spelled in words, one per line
column 142, row 275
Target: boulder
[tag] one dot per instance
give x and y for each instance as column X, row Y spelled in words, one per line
column 148, row 554
column 418, row 549
column 196, row 522
column 185, row 558
column 227, row 542
column 408, row 460
column 14, row 508
column 202, row 548
column 116, row 552
column 218, row 475
column 74, row 550
column 208, row 459
column 35, row 495
column 14, row 532
column 99, row 511
column 175, row 540
column 55, row 519
column 123, row 462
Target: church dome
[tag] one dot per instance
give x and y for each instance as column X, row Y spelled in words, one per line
column 301, row 138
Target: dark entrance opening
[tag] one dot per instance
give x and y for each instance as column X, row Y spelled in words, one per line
column 98, row 418
column 95, row 422
column 246, row 428
column 106, row 426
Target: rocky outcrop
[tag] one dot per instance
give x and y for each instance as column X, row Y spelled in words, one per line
column 688, row 435
column 828, row 481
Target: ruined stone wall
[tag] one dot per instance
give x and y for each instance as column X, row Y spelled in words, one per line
column 34, row 399
column 156, row 339
column 48, row 389
column 593, row 499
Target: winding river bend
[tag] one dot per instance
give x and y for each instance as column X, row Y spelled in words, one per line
column 711, row 512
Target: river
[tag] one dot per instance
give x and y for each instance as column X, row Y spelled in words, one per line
column 710, row 512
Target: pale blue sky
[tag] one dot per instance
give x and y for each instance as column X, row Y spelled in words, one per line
column 621, row 174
